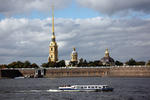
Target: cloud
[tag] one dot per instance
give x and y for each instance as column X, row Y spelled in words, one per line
column 28, row 39
column 12, row 7
column 123, row 7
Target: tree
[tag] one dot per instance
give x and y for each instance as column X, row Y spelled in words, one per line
column 118, row 63
column 131, row 62
column 85, row 63
column 3, row 66
column 80, row 62
column 140, row 63
column 73, row 63
column 27, row 64
column 34, row 65
column 61, row 63
column 45, row 65
column 12, row 65
column 19, row 64
column 148, row 63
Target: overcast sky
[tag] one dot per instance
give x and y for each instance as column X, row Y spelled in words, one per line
column 122, row 26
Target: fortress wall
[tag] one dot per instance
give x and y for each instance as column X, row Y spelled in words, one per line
column 129, row 72
column 27, row 72
column 80, row 72
column 11, row 73
column 76, row 72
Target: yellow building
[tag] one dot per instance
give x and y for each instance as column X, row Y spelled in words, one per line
column 53, row 47
column 74, row 56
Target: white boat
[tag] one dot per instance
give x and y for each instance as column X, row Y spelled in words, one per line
column 86, row 88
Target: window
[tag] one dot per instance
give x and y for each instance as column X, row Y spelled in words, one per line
column 51, row 56
column 51, row 49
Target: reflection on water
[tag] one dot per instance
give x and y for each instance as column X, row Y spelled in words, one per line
column 46, row 89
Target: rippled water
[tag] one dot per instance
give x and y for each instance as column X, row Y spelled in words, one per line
column 36, row 89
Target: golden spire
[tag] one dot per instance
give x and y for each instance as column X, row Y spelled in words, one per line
column 52, row 18
column 106, row 53
column 74, row 49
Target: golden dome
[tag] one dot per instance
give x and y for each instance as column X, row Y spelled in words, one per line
column 106, row 51
column 53, row 36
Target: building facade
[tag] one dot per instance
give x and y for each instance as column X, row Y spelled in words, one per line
column 74, row 58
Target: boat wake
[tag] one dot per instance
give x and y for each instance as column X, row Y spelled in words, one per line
column 54, row 90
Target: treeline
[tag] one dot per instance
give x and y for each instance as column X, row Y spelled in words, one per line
column 131, row 62
column 82, row 63
column 53, row 64
column 19, row 64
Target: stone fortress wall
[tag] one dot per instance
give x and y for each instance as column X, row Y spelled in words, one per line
column 122, row 71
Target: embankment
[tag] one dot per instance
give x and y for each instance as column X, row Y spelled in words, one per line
column 122, row 71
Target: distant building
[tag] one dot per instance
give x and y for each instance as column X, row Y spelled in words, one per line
column 107, row 60
column 74, row 57
column 67, row 62
column 53, row 48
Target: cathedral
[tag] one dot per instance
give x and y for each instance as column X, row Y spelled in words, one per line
column 53, row 47
column 107, row 60
column 53, row 51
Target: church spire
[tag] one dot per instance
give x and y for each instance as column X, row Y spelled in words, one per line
column 53, row 48
column 53, row 33
column 53, row 19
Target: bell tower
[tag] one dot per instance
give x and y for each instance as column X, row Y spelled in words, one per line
column 53, row 47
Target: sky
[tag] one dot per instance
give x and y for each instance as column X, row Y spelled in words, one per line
column 91, row 26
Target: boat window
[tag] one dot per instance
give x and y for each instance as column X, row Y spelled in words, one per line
column 88, row 86
column 85, row 87
column 104, row 86
column 95, row 86
column 99, row 87
column 92, row 86
column 81, row 87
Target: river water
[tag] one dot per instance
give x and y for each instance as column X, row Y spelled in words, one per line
column 36, row 89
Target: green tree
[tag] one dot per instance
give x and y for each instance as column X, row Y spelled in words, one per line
column 118, row 63
column 80, row 62
column 45, row 65
column 3, row 66
column 61, row 63
column 131, row 62
column 73, row 63
column 34, row 65
column 148, row 63
column 19, row 64
column 27, row 64
column 140, row 63
column 12, row 65
column 85, row 64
